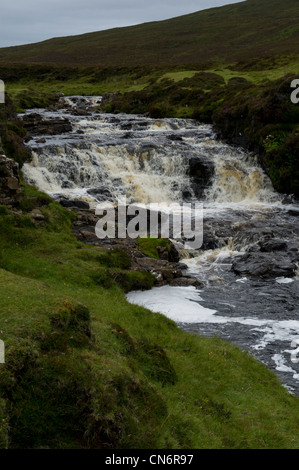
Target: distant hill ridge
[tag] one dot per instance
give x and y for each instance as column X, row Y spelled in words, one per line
column 253, row 28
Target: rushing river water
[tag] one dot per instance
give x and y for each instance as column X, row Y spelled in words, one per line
column 162, row 161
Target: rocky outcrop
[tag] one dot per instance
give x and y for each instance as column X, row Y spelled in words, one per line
column 201, row 171
column 268, row 259
column 167, row 269
column 36, row 126
column 9, row 180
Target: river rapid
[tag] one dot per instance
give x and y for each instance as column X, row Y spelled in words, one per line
column 248, row 264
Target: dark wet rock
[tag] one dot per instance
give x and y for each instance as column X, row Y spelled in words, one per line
column 162, row 252
column 201, row 171
column 266, row 265
column 35, row 126
column 209, row 243
column 186, row 194
column 9, row 180
column 88, row 235
column 175, row 137
column 85, row 217
column 173, row 254
column 102, row 193
column 128, row 135
column 185, row 282
column 32, row 117
column 108, row 241
column 269, row 246
column 294, row 212
column 81, row 111
column 73, row 203
column 288, row 199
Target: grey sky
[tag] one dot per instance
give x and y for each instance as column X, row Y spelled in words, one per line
column 27, row 21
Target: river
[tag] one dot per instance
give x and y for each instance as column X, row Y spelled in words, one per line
column 248, row 264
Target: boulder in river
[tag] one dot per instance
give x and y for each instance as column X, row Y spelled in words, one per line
column 36, row 126
column 267, row 265
column 201, row 172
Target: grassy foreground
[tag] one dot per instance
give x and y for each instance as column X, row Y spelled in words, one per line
column 85, row 369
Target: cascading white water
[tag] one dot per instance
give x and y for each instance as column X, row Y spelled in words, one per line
column 138, row 157
column 143, row 176
column 238, row 178
column 108, row 156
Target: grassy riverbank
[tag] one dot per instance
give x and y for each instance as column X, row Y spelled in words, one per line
column 111, row 374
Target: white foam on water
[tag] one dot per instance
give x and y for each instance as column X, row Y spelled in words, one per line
column 283, row 330
column 284, row 280
column 282, row 367
column 281, row 364
column 177, row 303
column 184, row 305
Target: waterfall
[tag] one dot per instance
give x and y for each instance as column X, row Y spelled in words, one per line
column 239, row 178
column 148, row 161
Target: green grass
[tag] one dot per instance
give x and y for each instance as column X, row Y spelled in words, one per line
column 277, row 68
column 275, row 71
column 138, row 381
column 31, row 91
column 178, row 75
column 148, row 246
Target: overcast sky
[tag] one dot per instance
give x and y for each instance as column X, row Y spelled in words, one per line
column 27, row 21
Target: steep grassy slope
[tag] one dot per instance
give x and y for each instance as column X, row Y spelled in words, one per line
column 252, row 28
